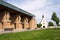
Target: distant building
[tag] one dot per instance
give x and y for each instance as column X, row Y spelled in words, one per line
column 44, row 22
column 13, row 18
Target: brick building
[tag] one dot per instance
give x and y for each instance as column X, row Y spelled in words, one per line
column 13, row 18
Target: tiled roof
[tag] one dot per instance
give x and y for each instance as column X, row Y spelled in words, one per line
column 15, row 8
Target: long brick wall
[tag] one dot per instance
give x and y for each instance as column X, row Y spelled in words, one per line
column 10, row 21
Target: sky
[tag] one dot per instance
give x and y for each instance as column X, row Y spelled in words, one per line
column 38, row 7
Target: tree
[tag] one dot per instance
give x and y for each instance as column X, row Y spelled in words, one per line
column 55, row 18
column 39, row 25
column 50, row 24
column 59, row 22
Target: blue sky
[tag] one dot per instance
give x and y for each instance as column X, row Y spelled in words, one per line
column 38, row 7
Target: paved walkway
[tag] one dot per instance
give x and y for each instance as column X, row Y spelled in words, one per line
column 2, row 32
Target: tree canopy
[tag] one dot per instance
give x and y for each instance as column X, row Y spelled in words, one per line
column 50, row 24
column 55, row 18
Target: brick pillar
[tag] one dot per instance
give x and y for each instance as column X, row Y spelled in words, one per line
column 1, row 27
column 32, row 23
column 26, row 24
column 18, row 22
column 6, row 21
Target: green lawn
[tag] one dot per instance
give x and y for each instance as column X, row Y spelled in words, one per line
column 45, row 34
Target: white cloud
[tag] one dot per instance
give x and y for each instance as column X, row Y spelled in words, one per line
column 38, row 7
column 36, row 4
column 33, row 7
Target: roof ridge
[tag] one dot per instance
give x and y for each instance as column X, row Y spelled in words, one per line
column 15, row 8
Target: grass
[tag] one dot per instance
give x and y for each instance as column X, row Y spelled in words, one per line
column 45, row 34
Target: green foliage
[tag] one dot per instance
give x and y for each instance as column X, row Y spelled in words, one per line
column 57, row 21
column 39, row 25
column 55, row 18
column 50, row 24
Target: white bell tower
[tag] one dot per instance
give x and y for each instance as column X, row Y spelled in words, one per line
column 44, row 22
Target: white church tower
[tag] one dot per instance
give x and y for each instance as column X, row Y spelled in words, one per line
column 44, row 22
